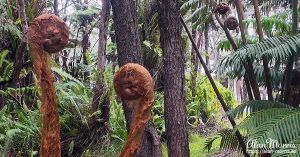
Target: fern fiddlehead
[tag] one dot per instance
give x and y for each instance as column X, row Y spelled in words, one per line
column 47, row 34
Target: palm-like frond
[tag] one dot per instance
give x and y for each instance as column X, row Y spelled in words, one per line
column 201, row 13
column 228, row 140
column 275, row 48
column 225, row 45
column 270, row 120
column 256, row 106
column 282, row 125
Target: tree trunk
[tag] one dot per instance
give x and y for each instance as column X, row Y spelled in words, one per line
column 22, row 46
column 130, row 51
column 195, row 62
column 55, row 7
column 240, row 13
column 85, row 43
column 100, row 86
column 206, row 37
column 290, row 61
column 174, row 93
column 265, row 60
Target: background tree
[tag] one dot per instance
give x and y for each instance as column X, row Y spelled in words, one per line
column 174, row 93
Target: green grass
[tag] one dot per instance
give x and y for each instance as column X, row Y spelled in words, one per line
column 196, row 144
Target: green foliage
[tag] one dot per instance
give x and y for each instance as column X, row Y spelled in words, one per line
column 224, row 45
column 19, row 128
column 269, row 120
column 228, row 140
column 158, row 112
column 276, row 49
column 201, row 13
column 273, row 25
column 196, row 143
column 205, row 99
column 255, row 106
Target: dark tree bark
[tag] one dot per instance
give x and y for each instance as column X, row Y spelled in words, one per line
column 174, row 93
column 85, row 43
column 290, row 61
column 130, row 51
column 55, row 7
column 127, row 35
column 22, row 46
column 265, row 60
column 100, row 87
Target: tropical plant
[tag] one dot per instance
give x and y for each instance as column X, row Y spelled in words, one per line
column 205, row 104
column 264, row 120
column 276, row 49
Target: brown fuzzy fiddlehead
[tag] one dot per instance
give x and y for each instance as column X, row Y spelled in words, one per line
column 47, row 34
column 231, row 23
column 133, row 83
column 222, row 8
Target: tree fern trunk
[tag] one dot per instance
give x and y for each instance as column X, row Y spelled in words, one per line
column 22, row 46
column 290, row 61
column 206, row 37
column 265, row 60
column 100, row 86
column 249, row 76
column 174, row 83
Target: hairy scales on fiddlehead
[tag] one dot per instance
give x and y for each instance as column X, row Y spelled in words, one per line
column 133, row 83
column 47, row 34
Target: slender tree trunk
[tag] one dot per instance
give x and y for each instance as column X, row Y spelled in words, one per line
column 290, row 61
column 100, row 86
column 240, row 13
column 206, row 37
column 247, row 65
column 130, row 51
column 174, row 93
column 265, row 60
column 194, row 59
column 195, row 62
column 85, row 47
column 55, row 7
column 22, row 46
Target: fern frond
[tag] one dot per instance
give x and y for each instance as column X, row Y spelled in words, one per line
column 228, row 140
column 255, row 106
column 66, row 75
column 276, row 48
column 281, row 124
